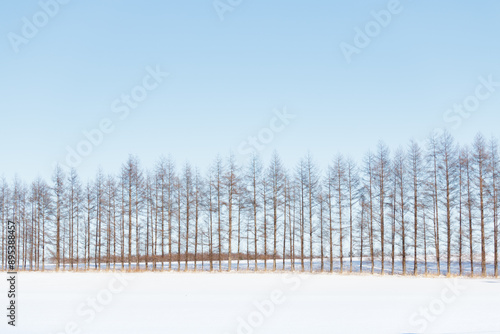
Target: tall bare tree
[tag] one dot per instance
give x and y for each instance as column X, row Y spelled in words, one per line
column 59, row 193
column 480, row 158
column 381, row 176
column 276, row 184
column 416, row 168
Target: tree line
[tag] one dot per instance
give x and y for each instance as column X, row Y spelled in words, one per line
column 425, row 209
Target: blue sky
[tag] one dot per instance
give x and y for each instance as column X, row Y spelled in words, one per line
column 227, row 77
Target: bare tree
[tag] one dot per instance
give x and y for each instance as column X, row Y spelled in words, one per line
column 433, row 156
column 448, row 165
column 276, row 183
column 369, row 175
column 416, row 167
column 312, row 175
column 381, row 176
column 480, row 156
column 59, row 193
column 187, row 188
column 493, row 191
column 254, row 182
column 339, row 174
column 352, row 188
column 469, row 201
column 301, row 177
column 400, row 174
column 231, row 185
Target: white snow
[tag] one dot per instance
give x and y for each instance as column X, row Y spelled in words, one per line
column 169, row 302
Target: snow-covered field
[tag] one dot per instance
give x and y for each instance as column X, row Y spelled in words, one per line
column 169, row 302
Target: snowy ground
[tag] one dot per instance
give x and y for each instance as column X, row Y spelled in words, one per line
column 227, row 303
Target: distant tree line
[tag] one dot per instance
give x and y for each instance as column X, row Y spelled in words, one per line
column 417, row 206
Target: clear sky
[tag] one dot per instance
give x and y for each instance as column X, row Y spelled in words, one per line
column 66, row 70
